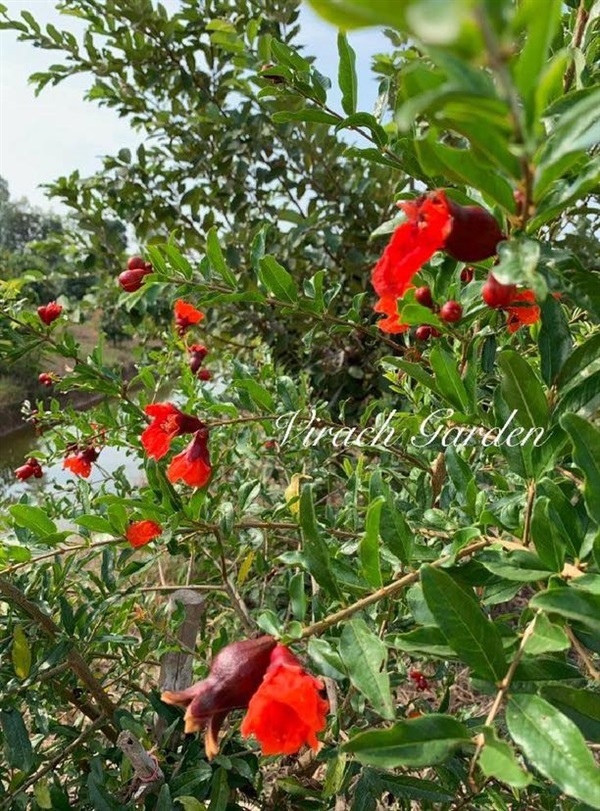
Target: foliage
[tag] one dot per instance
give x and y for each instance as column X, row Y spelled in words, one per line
column 476, row 563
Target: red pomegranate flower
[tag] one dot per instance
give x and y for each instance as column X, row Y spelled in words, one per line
column 49, row 312
column 186, row 315
column 139, row 533
column 434, row 222
column 520, row 314
column 193, row 464
column 81, row 462
column 31, row 468
column 235, row 675
column 287, row 711
column 167, row 423
column 388, row 305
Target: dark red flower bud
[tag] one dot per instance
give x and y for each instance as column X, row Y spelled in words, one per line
column 197, row 354
column 475, row 233
column 136, row 263
column 498, row 295
column 235, row 675
column 49, row 312
column 45, row 379
column 271, row 444
column 132, row 280
column 467, row 274
column 423, row 333
column 31, row 468
column 451, row 312
column 423, row 297
column 419, row 679
column 204, row 375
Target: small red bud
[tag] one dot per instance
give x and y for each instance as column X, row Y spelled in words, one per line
column 45, row 379
column 197, row 354
column 451, row 312
column 423, row 297
column 136, row 263
column 498, row 295
column 204, row 374
column 475, row 233
column 423, row 333
column 132, row 280
column 467, row 275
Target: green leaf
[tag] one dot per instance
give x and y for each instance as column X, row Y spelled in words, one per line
column 575, row 604
column 347, row 74
column 498, row 760
column 581, row 706
column 365, row 657
column 314, row 547
column 369, row 545
column 217, row 260
column 277, row 280
column 428, row 639
column 520, row 566
column 554, row 340
column 393, row 528
column 554, row 746
column 448, row 379
column 365, row 120
column 468, row 631
column 419, row 742
column 546, row 637
column 309, row 115
column 539, row 32
column 17, row 746
column 21, row 654
column 522, row 391
column 583, row 362
column 545, row 536
column 95, row 523
column 586, row 453
column 33, row 518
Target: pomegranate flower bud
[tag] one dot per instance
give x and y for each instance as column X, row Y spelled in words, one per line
column 475, row 233
column 185, row 316
column 497, row 295
column 31, row 468
column 45, row 379
column 49, row 312
column 235, row 675
column 197, row 354
column 204, row 374
column 135, row 263
column 132, row 280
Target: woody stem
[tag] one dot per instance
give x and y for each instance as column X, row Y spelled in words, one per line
column 387, row 591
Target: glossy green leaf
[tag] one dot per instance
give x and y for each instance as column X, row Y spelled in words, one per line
column 546, row 638
column 554, row 746
column 365, row 657
column 277, row 280
column 17, row 746
column 369, row 545
column 314, row 547
column 468, row 631
column 581, row 706
column 448, row 379
column 522, row 391
column 554, row 340
column 217, row 260
column 586, row 453
column 33, row 518
column 310, row 115
column 419, row 742
column 583, row 362
column 498, row 760
column 546, row 539
column 572, row 603
column 347, row 74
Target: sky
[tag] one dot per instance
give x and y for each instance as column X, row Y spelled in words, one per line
column 49, row 136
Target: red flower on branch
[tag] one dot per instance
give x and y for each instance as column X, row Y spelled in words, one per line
column 522, row 310
column 197, row 354
column 167, row 423
column 31, row 468
column 139, row 533
column 45, row 379
column 287, row 710
column 81, row 462
column 49, row 312
column 433, row 223
column 193, row 464
column 186, row 315
column 235, row 675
